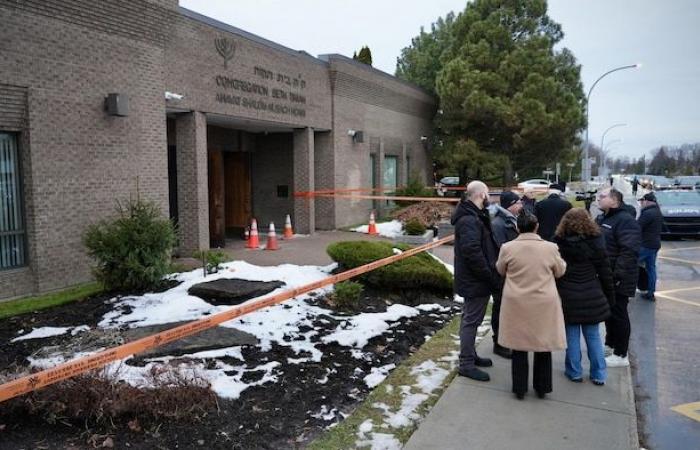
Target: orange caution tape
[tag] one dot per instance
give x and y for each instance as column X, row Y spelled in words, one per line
column 391, row 197
column 79, row 366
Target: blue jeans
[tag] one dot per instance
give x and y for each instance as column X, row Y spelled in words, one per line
column 596, row 355
column 647, row 258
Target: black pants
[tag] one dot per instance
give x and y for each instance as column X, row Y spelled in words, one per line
column 617, row 327
column 473, row 312
column 495, row 312
column 541, row 372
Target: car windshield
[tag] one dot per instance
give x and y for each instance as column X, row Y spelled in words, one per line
column 685, row 198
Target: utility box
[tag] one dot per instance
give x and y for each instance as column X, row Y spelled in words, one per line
column 117, row 105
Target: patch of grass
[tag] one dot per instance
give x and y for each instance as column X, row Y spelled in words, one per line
column 344, row 435
column 29, row 304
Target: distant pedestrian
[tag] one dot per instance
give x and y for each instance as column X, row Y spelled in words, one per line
column 528, row 200
column 531, row 312
column 650, row 222
column 587, row 292
column 622, row 240
column 635, row 185
column 505, row 229
column 611, row 180
column 550, row 211
column 476, row 279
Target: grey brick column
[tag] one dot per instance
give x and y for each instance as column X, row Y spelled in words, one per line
column 304, row 211
column 193, row 185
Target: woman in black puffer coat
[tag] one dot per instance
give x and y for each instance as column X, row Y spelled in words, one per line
column 587, row 292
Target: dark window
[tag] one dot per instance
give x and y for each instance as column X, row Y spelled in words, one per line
column 12, row 231
column 282, row 191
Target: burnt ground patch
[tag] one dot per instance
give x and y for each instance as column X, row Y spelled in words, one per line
column 306, row 397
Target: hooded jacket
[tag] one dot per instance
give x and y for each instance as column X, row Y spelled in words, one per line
column 586, row 289
column 475, row 251
column 504, row 225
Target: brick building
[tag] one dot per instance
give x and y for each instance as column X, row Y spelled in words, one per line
column 214, row 124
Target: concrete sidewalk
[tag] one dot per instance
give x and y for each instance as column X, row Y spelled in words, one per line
column 477, row 415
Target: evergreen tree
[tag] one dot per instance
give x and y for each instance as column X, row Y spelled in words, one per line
column 505, row 92
column 365, row 56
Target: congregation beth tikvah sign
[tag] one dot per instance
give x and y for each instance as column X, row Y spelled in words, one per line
column 270, row 91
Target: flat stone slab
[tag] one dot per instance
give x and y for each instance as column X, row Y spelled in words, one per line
column 211, row 339
column 232, row 291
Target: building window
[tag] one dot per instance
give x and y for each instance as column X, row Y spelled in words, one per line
column 12, row 231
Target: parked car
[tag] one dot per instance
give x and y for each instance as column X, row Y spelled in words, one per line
column 681, row 212
column 449, row 182
column 688, row 182
column 537, row 184
column 657, row 182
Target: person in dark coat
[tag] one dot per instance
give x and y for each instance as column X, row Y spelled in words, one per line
column 505, row 228
column 528, row 200
column 549, row 212
column 587, row 292
column 650, row 222
column 622, row 240
column 635, row 185
column 476, row 278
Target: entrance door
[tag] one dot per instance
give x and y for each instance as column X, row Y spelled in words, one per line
column 217, row 236
column 239, row 204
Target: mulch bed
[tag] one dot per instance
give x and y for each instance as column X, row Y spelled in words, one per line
column 282, row 414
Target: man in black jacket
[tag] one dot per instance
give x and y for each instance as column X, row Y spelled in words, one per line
column 550, row 211
column 650, row 221
column 475, row 273
column 622, row 240
column 504, row 228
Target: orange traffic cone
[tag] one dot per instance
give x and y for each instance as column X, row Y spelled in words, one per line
column 372, row 229
column 288, row 232
column 253, row 240
column 272, row 238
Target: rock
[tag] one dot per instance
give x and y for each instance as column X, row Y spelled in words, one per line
column 232, row 291
column 211, row 339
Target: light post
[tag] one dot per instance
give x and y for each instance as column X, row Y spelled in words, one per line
column 586, row 166
column 602, row 143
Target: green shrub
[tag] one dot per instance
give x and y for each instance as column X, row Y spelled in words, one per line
column 132, row 251
column 420, row 271
column 212, row 258
column 346, row 295
column 414, row 188
column 413, row 227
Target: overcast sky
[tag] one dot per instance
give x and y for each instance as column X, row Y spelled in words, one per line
column 660, row 102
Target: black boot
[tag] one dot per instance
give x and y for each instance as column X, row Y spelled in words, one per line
column 502, row 351
column 482, row 362
column 475, row 374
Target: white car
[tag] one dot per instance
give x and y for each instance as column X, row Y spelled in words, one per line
column 536, row 184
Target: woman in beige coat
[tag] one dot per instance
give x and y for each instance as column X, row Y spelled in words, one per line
column 531, row 318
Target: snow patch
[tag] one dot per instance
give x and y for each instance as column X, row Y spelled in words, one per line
column 387, row 229
column 363, row 327
column 378, row 374
column 44, row 332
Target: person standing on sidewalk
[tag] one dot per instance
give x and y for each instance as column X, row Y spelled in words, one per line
column 650, row 222
column 550, row 211
column 531, row 312
column 622, row 240
column 476, row 278
column 505, row 228
column 587, row 292
column 528, row 200
column 635, row 185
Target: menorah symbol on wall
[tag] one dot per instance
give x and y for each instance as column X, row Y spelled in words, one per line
column 226, row 49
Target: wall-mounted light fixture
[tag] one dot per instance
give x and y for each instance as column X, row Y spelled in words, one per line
column 356, row 135
column 117, row 105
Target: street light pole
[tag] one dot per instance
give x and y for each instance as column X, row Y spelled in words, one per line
column 586, row 166
column 602, row 144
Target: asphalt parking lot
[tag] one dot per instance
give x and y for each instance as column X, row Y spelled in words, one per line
column 664, row 350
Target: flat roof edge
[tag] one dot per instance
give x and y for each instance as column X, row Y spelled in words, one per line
column 328, row 56
column 250, row 36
